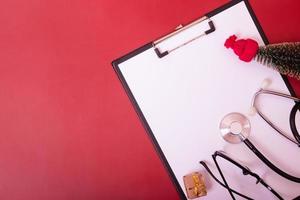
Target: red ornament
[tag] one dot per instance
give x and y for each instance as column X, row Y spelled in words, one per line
column 246, row 49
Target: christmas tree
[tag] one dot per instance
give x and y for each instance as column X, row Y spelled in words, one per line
column 283, row 57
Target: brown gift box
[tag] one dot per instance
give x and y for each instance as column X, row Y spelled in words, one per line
column 194, row 185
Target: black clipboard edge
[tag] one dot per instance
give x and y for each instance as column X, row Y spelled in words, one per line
column 145, row 124
column 266, row 41
column 118, row 61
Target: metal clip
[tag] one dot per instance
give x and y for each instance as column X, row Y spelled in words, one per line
column 180, row 29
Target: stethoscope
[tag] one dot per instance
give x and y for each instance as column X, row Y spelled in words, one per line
column 235, row 128
column 292, row 119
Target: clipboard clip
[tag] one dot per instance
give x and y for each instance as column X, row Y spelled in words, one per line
column 180, row 29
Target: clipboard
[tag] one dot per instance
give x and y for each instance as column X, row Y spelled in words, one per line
column 177, row 84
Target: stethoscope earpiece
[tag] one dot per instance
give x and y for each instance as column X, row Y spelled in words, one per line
column 265, row 83
column 252, row 111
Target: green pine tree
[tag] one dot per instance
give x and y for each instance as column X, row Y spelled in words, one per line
column 283, row 57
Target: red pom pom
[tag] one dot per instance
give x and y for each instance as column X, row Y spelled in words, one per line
column 230, row 41
column 246, row 49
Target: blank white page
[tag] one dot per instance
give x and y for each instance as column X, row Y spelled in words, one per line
column 184, row 95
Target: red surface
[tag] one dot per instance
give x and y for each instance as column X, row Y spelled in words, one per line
column 68, row 130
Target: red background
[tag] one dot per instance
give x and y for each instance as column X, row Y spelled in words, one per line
column 68, row 130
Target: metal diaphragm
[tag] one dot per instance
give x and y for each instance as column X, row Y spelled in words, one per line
column 235, row 127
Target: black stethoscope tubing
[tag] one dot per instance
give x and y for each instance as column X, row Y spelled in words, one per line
column 269, row 163
column 229, row 136
column 294, row 130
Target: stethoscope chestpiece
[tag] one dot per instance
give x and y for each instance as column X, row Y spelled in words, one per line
column 235, row 128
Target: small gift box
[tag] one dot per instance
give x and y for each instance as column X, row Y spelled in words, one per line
column 194, row 185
